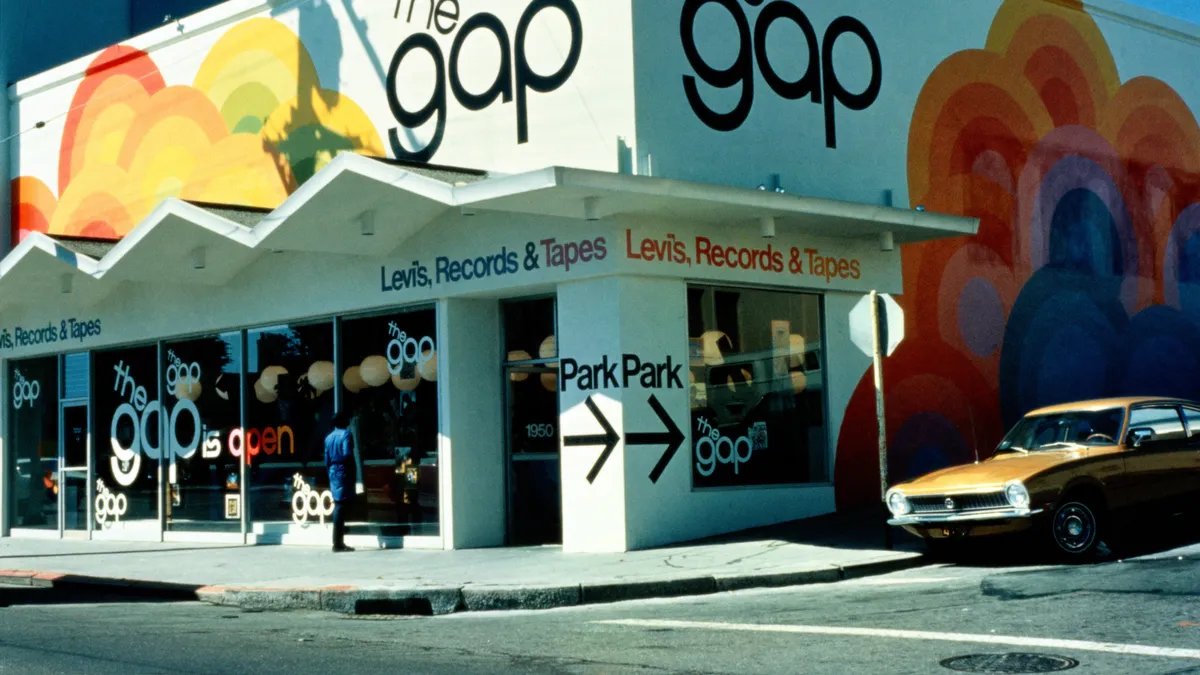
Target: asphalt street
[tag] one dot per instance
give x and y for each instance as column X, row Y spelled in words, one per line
column 1134, row 616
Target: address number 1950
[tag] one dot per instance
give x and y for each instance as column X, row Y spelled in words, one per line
column 539, row 430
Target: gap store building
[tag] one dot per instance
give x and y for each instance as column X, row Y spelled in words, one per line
column 584, row 273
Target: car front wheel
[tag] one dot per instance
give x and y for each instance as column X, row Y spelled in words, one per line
column 1075, row 529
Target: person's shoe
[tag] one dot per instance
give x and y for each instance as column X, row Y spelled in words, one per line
column 342, row 549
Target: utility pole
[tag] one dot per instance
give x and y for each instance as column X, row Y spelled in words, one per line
column 877, row 321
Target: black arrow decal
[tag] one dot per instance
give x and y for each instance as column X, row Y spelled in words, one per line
column 672, row 438
column 608, row 439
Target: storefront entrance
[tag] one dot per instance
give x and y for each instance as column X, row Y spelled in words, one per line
column 535, row 494
column 531, row 380
column 74, row 452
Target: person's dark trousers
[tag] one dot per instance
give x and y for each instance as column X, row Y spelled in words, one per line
column 339, row 524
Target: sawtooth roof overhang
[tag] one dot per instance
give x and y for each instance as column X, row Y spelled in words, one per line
column 206, row 245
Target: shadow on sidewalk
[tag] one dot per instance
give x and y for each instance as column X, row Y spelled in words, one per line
column 863, row 529
column 80, row 554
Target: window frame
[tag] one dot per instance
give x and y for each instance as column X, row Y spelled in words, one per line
column 822, row 367
column 1157, row 443
column 160, row 344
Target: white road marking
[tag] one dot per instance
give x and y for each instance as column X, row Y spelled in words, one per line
column 848, row 631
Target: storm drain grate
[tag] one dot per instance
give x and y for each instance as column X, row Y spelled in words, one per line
column 1009, row 663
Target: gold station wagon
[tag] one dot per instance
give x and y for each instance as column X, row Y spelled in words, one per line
column 1068, row 470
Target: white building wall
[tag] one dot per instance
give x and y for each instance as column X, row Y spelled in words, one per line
column 472, row 425
column 841, row 357
column 623, row 508
column 671, row 510
column 591, row 325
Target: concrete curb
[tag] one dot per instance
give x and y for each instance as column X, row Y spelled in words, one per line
column 440, row 600
column 491, row 598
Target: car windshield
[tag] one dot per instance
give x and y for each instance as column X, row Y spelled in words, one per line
column 1065, row 429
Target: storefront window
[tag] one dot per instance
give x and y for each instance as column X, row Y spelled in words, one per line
column 756, row 388
column 390, row 388
column 203, row 389
column 529, row 337
column 289, row 403
column 33, row 438
column 128, row 414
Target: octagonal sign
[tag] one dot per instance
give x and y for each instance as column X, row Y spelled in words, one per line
column 891, row 328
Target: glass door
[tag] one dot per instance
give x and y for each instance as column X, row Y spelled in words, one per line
column 531, row 402
column 74, row 452
column 534, row 474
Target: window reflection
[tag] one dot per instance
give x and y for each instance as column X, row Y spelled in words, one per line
column 390, row 388
column 129, row 445
column 289, row 404
column 756, row 388
column 33, row 440
column 181, row 404
column 1163, row 422
column 202, row 379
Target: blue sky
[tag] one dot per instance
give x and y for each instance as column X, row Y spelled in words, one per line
column 1189, row 10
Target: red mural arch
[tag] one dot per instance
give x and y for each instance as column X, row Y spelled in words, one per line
column 1084, row 279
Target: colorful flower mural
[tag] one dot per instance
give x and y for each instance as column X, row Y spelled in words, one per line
column 254, row 124
column 1084, row 279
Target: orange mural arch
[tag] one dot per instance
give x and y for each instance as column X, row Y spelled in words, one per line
column 253, row 125
column 1084, row 279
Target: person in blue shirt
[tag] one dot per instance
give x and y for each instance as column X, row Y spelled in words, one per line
column 339, row 462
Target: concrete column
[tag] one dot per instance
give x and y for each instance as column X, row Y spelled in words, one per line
column 471, row 438
column 603, row 324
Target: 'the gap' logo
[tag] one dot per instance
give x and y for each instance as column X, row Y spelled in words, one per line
column 24, row 391
column 819, row 83
column 511, row 79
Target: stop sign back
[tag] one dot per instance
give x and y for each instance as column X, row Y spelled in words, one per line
column 891, row 320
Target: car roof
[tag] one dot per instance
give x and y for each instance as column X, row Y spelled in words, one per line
column 1102, row 403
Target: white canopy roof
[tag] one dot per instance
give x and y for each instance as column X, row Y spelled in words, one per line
column 185, row 243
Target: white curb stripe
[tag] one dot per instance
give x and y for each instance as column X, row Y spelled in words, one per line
column 1012, row 640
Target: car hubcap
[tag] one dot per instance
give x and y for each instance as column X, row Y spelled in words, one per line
column 1074, row 528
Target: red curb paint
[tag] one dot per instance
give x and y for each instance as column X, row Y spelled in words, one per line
column 16, row 573
column 276, row 590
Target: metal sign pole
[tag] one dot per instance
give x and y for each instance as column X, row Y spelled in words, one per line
column 877, row 357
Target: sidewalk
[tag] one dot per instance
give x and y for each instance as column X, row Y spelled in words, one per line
column 392, row 581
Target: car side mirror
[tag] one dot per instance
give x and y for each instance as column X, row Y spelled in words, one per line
column 1139, row 436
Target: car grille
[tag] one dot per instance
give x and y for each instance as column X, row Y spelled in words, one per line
column 974, row 502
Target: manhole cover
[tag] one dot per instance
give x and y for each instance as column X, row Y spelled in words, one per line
column 1009, row 663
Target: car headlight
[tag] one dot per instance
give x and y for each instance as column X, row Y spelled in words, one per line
column 897, row 503
column 1016, row 494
